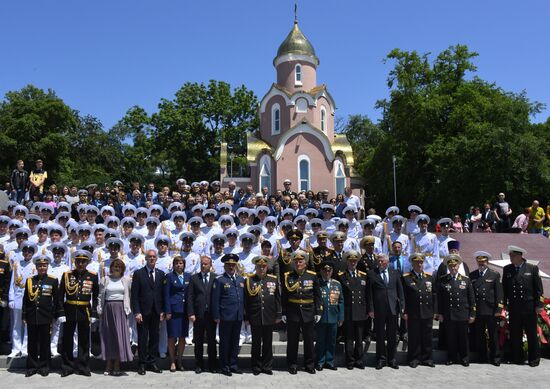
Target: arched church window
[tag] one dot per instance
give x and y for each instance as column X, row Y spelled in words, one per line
column 301, row 105
column 275, row 119
column 304, row 172
column 265, row 172
column 339, row 176
column 323, row 119
column 298, row 74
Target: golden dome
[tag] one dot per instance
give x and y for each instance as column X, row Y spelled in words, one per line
column 296, row 43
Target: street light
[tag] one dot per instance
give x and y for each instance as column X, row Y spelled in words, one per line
column 231, row 156
column 394, row 183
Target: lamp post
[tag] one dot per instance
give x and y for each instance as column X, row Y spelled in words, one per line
column 394, row 183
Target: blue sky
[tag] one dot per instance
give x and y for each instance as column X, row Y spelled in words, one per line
column 104, row 56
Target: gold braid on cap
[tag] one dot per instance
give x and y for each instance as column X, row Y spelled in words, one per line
column 256, row 290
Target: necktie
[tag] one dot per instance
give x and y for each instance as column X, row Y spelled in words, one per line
column 419, row 276
column 181, row 278
column 517, row 269
column 152, row 275
column 385, row 277
column 205, row 278
column 352, row 274
column 398, row 265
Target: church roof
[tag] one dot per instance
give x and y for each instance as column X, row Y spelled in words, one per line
column 296, row 43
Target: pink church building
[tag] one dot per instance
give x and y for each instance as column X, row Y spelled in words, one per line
column 296, row 138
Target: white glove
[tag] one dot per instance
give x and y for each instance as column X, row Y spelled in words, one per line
column 93, row 320
column 283, row 319
column 61, row 319
column 12, row 304
column 317, row 318
column 3, row 304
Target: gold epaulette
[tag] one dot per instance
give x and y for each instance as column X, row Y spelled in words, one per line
column 311, row 272
column 361, row 273
column 341, row 273
column 406, row 274
column 52, row 277
column 336, row 281
column 3, row 260
column 502, row 305
column 428, row 273
column 287, row 273
column 272, row 276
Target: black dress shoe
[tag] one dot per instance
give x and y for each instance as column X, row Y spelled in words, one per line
column 310, row 370
column 359, row 365
column 380, row 365
column 66, row 373
column 267, row 371
column 236, row 371
column 318, row 367
column 292, row 370
column 496, row 363
column 155, row 369
column 393, row 365
column 256, row 371
column 449, row 363
column 227, row 372
column 465, row 363
column 30, row 373
column 349, row 367
column 141, row 370
column 413, row 364
column 198, row 370
column 534, row 363
column 44, row 372
column 214, row 371
column 428, row 363
column 86, row 373
column 331, row 367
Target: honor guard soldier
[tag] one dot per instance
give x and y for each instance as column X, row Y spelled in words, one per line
column 301, row 299
column 78, row 295
column 489, row 304
column 228, row 312
column 354, row 286
column 523, row 297
column 263, row 311
column 456, row 307
column 332, row 317
column 420, row 308
column 321, row 253
column 40, row 307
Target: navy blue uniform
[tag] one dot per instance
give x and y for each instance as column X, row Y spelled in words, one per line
column 175, row 298
column 228, row 308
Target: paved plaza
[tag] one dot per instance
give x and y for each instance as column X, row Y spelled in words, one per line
column 478, row 376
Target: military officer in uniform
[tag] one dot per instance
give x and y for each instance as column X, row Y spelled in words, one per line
column 228, row 312
column 40, row 307
column 355, row 287
column 489, row 304
column 523, row 297
column 301, row 300
column 420, row 308
column 78, row 295
column 263, row 311
column 294, row 237
column 332, row 318
column 321, row 253
column 456, row 307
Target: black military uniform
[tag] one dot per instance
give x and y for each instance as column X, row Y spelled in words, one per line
column 285, row 255
column 489, row 304
column 420, row 306
column 262, row 310
column 40, row 307
column 354, row 286
column 5, row 278
column 78, row 294
column 456, row 302
column 301, row 303
column 523, row 295
column 320, row 255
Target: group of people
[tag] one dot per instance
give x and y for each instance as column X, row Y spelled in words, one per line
column 157, row 278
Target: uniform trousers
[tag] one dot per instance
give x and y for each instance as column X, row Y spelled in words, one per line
column 56, row 329
column 457, row 340
column 325, row 347
column 353, row 333
column 39, row 346
column 148, row 338
column 385, row 326
column 229, row 343
column 487, row 325
column 205, row 324
column 262, row 347
column 518, row 324
column 81, row 362
column 420, row 335
column 293, row 334
column 18, row 333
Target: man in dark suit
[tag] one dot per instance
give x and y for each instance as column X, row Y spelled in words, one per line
column 523, row 296
column 489, row 304
column 263, row 311
column 385, row 302
column 456, row 307
column 228, row 312
column 147, row 305
column 420, row 308
column 200, row 314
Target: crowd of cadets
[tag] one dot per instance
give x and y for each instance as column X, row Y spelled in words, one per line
column 315, row 272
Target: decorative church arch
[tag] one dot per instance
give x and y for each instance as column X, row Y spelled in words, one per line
column 304, row 128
